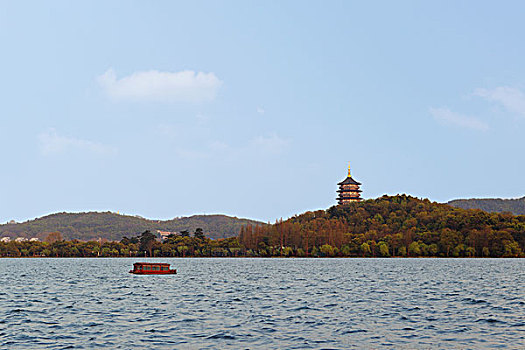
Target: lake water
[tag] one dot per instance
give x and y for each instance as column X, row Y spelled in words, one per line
column 263, row 304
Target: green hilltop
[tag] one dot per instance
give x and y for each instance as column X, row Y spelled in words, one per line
column 391, row 226
column 111, row 226
column 492, row 205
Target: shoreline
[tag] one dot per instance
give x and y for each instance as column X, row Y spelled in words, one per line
column 264, row 257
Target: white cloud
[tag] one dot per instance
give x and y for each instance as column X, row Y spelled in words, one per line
column 446, row 116
column 213, row 149
column 260, row 110
column 167, row 130
column 202, row 119
column 270, row 144
column 191, row 154
column 53, row 143
column 512, row 99
column 184, row 86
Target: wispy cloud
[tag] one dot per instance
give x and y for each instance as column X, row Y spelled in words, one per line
column 187, row 153
column 510, row 98
column 446, row 116
column 184, row 86
column 202, row 119
column 264, row 145
column 270, row 144
column 51, row 142
column 260, row 110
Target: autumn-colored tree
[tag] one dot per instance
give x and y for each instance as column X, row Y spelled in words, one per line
column 53, row 237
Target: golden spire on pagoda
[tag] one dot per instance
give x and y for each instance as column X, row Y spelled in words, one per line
column 349, row 175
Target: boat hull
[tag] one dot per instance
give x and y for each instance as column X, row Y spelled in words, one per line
column 169, row 272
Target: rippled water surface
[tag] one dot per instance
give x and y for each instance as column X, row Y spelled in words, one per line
column 263, row 304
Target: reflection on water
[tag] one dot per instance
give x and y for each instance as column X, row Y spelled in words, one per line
column 263, row 303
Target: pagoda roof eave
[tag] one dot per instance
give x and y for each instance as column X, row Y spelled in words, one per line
column 349, row 181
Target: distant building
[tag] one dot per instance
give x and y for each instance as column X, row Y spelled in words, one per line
column 34, row 239
column 164, row 234
column 348, row 190
column 21, row 239
column 5, row 239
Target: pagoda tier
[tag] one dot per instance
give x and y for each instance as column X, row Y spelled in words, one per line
column 348, row 195
column 342, row 201
column 349, row 190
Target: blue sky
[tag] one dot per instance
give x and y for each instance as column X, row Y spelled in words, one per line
column 254, row 108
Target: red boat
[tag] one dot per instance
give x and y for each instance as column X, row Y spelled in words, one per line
column 142, row 268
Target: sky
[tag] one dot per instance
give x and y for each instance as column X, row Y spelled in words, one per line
column 255, row 108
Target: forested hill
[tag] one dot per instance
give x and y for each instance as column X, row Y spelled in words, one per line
column 391, row 226
column 112, row 226
column 492, row 205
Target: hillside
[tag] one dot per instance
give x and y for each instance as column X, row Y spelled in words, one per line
column 387, row 226
column 112, row 226
column 492, row 205
column 391, row 226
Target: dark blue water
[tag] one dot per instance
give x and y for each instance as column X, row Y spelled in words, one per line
column 263, row 303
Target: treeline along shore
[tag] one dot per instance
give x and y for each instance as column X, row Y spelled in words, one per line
column 389, row 226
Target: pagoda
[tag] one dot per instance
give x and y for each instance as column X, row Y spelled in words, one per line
column 348, row 190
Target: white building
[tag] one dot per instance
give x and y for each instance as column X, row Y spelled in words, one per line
column 164, row 234
column 5, row 239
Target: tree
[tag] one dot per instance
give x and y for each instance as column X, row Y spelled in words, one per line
column 199, row 234
column 402, row 251
column 449, row 240
column 512, row 249
column 459, row 250
column 383, row 248
column 182, row 249
column 486, row 251
column 413, row 249
column 471, row 251
column 125, row 240
column 327, row 250
column 105, row 251
column 315, row 251
column 433, row 249
column 345, row 250
column 53, row 237
column 125, row 252
column 146, row 241
column 286, row 251
column 365, row 249
column 185, row 233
